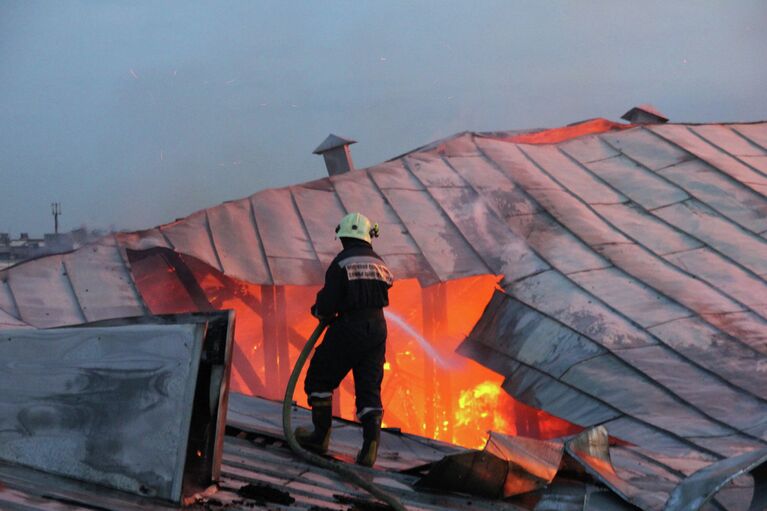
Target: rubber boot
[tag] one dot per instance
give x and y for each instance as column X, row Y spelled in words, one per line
column 371, row 437
column 317, row 440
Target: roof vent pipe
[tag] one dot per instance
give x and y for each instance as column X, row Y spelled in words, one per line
column 644, row 114
column 338, row 157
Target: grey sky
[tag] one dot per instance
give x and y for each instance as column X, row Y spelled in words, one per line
column 134, row 113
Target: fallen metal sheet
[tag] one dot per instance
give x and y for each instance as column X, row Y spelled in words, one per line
column 107, row 405
column 699, row 488
column 591, row 450
column 526, row 335
column 507, row 466
column 538, row 457
column 135, row 407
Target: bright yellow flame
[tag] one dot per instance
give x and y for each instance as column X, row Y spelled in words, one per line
column 478, row 409
column 387, row 366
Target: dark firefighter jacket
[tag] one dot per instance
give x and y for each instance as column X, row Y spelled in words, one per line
column 357, row 279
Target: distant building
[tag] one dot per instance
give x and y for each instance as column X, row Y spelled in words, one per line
column 13, row 251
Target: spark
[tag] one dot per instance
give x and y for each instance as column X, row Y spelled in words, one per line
column 133, row 73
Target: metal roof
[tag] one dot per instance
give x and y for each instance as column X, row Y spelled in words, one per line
column 255, row 454
column 259, row 469
column 634, row 264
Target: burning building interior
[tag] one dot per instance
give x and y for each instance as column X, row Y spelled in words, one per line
column 578, row 321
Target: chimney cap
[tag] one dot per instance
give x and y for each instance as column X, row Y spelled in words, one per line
column 644, row 114
column 332, row 142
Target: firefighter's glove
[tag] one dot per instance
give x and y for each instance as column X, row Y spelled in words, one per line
column 317, row 315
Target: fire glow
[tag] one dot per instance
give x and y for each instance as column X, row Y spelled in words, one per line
column 427, row 389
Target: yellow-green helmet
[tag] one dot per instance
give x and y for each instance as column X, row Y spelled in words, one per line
column 358, row 226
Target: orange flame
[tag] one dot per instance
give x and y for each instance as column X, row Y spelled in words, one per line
column 457, row 402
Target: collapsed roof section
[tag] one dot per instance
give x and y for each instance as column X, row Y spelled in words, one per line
column 633, row 259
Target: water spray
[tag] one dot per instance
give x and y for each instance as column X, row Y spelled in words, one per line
column 421, row 340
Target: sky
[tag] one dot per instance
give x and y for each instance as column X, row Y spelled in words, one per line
column 133, row 114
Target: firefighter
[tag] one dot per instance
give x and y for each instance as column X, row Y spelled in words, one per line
column 352, row 301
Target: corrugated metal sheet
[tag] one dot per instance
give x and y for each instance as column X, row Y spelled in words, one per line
column 642, row 250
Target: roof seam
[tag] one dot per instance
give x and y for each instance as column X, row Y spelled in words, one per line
column 598, row 299
column 167, row 239
column 261, row 246
column 129, row 271
column 696, row 157
column 601, row 401
column 209, row 231
column 692, row 199
column 748, row 139
column 654, row 255
column 439, row 204
column 72, row 290
column 616, row 353
column 402, row 222
column 18, row 315
column 303, row 222
column 725, row 151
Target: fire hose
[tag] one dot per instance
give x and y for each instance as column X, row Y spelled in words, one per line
column 339, row 468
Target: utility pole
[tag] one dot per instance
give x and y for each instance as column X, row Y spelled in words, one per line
column 55, row 211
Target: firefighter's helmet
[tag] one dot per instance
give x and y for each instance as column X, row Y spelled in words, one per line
column 358, row 226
